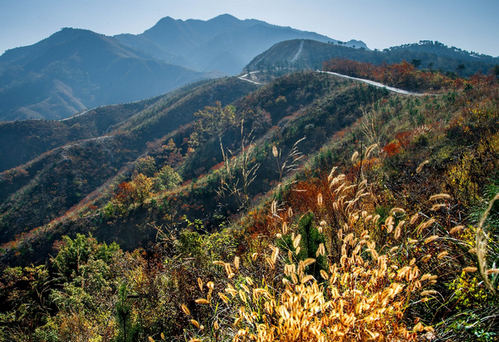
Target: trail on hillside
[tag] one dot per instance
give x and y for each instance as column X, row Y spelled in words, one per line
column 243, row 78
column 297, row 54
column 374, row 83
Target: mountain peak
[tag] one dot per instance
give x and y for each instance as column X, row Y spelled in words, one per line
column 225, row 18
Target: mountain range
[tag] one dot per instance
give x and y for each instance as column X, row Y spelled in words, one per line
column 76, row 69
column 224, row 44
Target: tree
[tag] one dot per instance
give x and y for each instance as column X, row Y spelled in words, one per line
column 167, row 178
column 146, row 166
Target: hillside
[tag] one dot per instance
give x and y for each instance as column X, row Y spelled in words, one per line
column 24, row 140
column 77, row 69
column 310, row 54
column 224, row 44
column 310, row 208
column 46, row 187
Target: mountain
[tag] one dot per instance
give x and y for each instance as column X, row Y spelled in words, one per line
column 73, row 158
column 76, row 69
column 224, row 44
column 301, row 54
column 299, row 209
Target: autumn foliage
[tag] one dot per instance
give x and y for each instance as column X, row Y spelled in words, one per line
column 403, row 75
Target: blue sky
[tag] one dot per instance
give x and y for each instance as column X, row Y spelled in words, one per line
column 468, row 24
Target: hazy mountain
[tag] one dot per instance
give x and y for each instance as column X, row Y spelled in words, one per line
column 75, row 69
column 224, row 44
column 301, row 54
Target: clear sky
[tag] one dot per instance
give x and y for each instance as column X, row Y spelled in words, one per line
column 468, row 24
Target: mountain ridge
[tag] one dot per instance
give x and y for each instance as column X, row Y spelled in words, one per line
column 192, row 41
column 425, row 54
column 74, row 69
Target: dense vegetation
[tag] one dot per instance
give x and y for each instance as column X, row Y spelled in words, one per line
column 54, row 183
column 314, row 208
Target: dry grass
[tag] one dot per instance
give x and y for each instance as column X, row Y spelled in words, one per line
column 362, row 294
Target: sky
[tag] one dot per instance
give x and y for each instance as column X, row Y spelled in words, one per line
column 472, row 25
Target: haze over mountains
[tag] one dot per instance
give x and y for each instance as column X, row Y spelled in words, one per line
column 224, row 43
column 76, row 69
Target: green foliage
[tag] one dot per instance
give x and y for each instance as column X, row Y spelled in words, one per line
column 128, row 331
column 146, row 166
column 311, row 238
column 75, row 253
column 166, row 179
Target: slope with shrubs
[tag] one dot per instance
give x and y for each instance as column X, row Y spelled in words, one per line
column 25, row 140
column 388, row 232
column 47, row 187
column 319, row 105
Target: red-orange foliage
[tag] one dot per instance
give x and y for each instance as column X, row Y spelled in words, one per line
column 404, row 138
column 403, row 75
column 125, row 192
column 392, row 148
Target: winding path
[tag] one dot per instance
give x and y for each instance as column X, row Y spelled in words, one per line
column 245, row 77
column 374, row 83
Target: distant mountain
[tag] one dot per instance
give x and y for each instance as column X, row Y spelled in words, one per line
column 224, row 44
column 302, row 54
column 75, row 69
